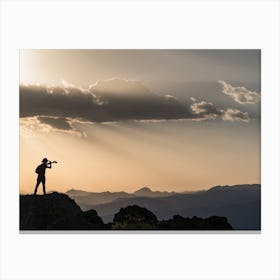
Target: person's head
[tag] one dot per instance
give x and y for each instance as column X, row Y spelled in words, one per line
column 45, row 160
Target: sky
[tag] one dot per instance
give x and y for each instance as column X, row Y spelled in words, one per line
column 120, row 120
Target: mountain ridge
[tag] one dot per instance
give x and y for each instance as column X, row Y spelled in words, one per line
column 240, row 203
column 148, row 189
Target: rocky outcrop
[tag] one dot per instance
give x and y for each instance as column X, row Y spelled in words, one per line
column 134, row 217
column 139, row 218
column 55, row 211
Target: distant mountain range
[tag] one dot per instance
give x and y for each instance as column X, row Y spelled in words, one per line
column 241, row 204
column 85, row 199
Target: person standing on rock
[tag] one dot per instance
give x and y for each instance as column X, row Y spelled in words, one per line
column 40, row 170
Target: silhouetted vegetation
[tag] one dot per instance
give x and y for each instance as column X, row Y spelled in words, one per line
column 180, row 223
column 134, row 217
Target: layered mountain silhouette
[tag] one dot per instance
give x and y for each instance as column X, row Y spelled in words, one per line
column 93, row 198
column 88, row 199
column 57, row 211
column 147, row 192
column 241, row 204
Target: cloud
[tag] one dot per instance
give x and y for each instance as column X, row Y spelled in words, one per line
column 56, row 122
column 110, row 101
column 207, row 111
column 37, row 124
column 235, row 115
column 240, row 94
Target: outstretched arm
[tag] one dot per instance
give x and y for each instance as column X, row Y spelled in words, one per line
column 49, row 165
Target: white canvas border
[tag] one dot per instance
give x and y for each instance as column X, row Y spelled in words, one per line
column 139, row 24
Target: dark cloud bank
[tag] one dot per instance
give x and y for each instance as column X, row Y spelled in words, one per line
column 111, row 101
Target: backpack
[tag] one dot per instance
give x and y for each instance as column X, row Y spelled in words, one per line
column 37, row 170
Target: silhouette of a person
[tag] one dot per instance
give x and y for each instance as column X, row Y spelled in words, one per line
column 40, row 170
